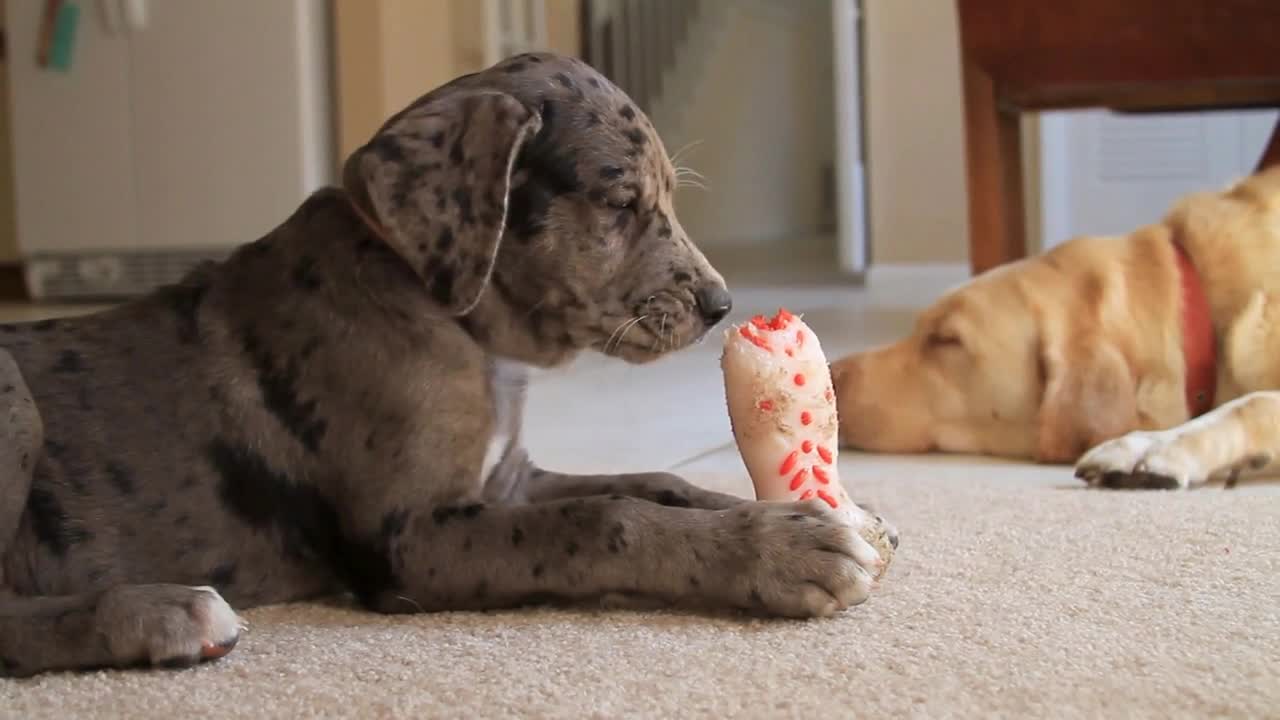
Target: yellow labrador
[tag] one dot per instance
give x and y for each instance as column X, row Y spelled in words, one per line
column 1150, row 359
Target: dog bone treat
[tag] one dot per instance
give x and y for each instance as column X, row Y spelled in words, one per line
column 783, row 412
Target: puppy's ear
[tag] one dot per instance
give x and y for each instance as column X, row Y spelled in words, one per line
column 1089, row 397
column 437, row 177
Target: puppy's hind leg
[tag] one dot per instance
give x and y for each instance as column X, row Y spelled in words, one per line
column 126, row 625
column 21, row 435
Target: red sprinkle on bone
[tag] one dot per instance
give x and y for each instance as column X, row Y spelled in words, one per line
column 807, row 495
column 791, row 353
column 807, row 446
column 799, row 338
column 760, row 322
column 805, row 419
column 765, row 405
column 755, row 339
column 830, row 500
column 799, row 479
column 781, row 320
column 825, row 454
column 829, row 397
column 821, row 474
column 789, row 463
column 799, row 379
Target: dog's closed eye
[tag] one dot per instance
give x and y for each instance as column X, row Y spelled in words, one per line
column 941, row 340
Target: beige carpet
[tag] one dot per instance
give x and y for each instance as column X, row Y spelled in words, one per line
column 1015, row 594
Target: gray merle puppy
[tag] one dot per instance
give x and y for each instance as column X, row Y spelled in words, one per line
column 336, row 407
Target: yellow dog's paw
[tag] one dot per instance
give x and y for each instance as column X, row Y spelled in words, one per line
column 1141, row 460
column 1163, row 460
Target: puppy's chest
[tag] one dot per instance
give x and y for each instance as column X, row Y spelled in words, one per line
column 507, row 381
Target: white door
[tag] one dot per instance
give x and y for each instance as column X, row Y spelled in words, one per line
column 229, row 115
column 1106, row 173
column 72, row 136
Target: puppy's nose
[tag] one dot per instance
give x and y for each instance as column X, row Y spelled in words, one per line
column 714, row 302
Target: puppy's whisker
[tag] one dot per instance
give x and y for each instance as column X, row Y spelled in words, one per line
column 623, row 336
column 688, row 171
column 657, row 341
column 675, row 157
column 620, row 334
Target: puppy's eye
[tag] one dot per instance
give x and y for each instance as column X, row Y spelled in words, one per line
column 621, row 203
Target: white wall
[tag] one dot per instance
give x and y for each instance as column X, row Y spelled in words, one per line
column 763, row 111
column 915, row 132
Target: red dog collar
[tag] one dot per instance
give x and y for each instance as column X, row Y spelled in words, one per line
column 1199, row 346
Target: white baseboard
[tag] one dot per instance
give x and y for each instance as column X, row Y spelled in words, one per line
column 913, row 284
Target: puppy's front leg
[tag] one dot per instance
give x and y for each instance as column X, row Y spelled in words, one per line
column 663, row 488
column 791, row 559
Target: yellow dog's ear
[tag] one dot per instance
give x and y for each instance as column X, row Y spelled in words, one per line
column 1089, row 397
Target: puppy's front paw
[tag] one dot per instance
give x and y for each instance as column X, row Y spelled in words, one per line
column 799, row 560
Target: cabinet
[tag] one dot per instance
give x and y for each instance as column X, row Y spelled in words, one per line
column 181, row 129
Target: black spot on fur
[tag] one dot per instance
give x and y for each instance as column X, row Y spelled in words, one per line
column 755, row 597
column 636, row 137
column 279, row 392
column 673, row 499
column 514, row 67
column 304, row 274
column 538, row 569
column 54, row 449
column 44, row 325
column 68, row 362
column 564, row 80
column 8, row 388
column 628, row 112
column 48, row 520
column 593, row 82
column 444, row 514
column 393, row 525
column 527, row 212
column 387, row 149
column 694, row 581
column 664, row 230
column 305, row 521
column 223, row 576
column 442, row 285
column 184, row 300
column 593, row 119
column 571, row 549
column 121, row 477
column 462, row 198
column 682, row 277
column 517, row 537
column 622, row 220
column 456, row 154
column 445, row 242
